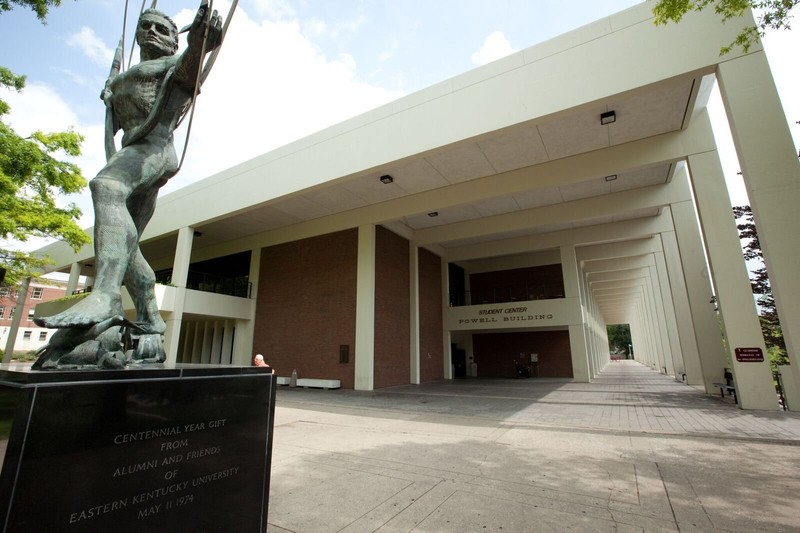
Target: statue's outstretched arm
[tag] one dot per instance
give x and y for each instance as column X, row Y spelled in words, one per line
column 112, row 123
column 205, row 35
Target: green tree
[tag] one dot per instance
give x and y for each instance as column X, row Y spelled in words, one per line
column 773, row 14
column 32, row 175
column 759, row 280
column 619, row 338
column 41, row 7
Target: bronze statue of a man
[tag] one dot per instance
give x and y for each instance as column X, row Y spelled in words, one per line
column 146, row 101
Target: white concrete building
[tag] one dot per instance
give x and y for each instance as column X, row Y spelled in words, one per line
column 359, row 252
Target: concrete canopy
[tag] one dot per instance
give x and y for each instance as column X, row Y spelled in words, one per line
column 511, row 158
column 517, row 143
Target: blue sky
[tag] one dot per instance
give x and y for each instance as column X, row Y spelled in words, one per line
column 289, row 68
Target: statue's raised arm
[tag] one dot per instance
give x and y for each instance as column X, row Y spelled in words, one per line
column 112, row 123
column 205, row 35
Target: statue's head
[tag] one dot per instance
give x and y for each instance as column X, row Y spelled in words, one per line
column 156, row 34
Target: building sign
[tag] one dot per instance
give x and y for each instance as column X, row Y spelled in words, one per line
column 510, row 315
column 506, row 315
column 749, row 355
column 502, row 316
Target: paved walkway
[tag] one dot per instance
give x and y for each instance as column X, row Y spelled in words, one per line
column 632, row 451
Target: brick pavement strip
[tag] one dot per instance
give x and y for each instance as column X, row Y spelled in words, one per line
column 632, row 451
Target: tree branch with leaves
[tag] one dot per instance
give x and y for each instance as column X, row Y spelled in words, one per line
column 40, row 7
column 32, row 176
column 759, row 280
column 772, row 14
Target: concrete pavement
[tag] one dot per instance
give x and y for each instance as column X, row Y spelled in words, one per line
column 632, row 451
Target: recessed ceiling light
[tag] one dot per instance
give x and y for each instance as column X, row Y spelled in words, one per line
column 433, row 214
column 612, row 177
column 386, row 179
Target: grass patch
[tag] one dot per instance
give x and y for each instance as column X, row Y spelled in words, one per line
column 24, row 357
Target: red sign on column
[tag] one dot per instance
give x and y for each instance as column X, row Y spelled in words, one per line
column 749, row 355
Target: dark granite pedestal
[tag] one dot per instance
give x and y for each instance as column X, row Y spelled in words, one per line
column 182, row 448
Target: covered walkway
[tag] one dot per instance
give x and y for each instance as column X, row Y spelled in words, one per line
column 631, row 451
column 626, row 396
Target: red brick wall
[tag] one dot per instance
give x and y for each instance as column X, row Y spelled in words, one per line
column 9, row 302
column 306, row 306
column 430, row 316
column 392, row 315
column 497, row 353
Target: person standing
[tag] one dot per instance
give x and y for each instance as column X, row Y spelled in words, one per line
column 258, row 360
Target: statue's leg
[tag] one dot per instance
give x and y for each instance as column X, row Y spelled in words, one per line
column 115, row 240
column 116, row 236
column 140, row 281
column 139, row 277
column 118, row 225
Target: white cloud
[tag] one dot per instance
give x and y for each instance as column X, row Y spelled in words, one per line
column 79, row 79
column 315, row 27
column 388, row 54
column 92, row 46
column 341, row 30
column 38, row 107
column 494, row 47
column 270, row 86
column 348, row 27
column 274, row 9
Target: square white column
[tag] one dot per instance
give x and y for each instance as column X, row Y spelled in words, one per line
column 670, row 315
column 245, row 328
column 771, row 173
column 365, row 309
column 413, row 303
column 74, row 278
column 663, row 348
column 754, row 386
column 683, row 313
column 180, row 275
column 698, row 289
column 577, row 332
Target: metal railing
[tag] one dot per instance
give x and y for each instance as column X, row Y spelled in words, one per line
column 778, row 380
column 239, row 286
column 514, row 293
